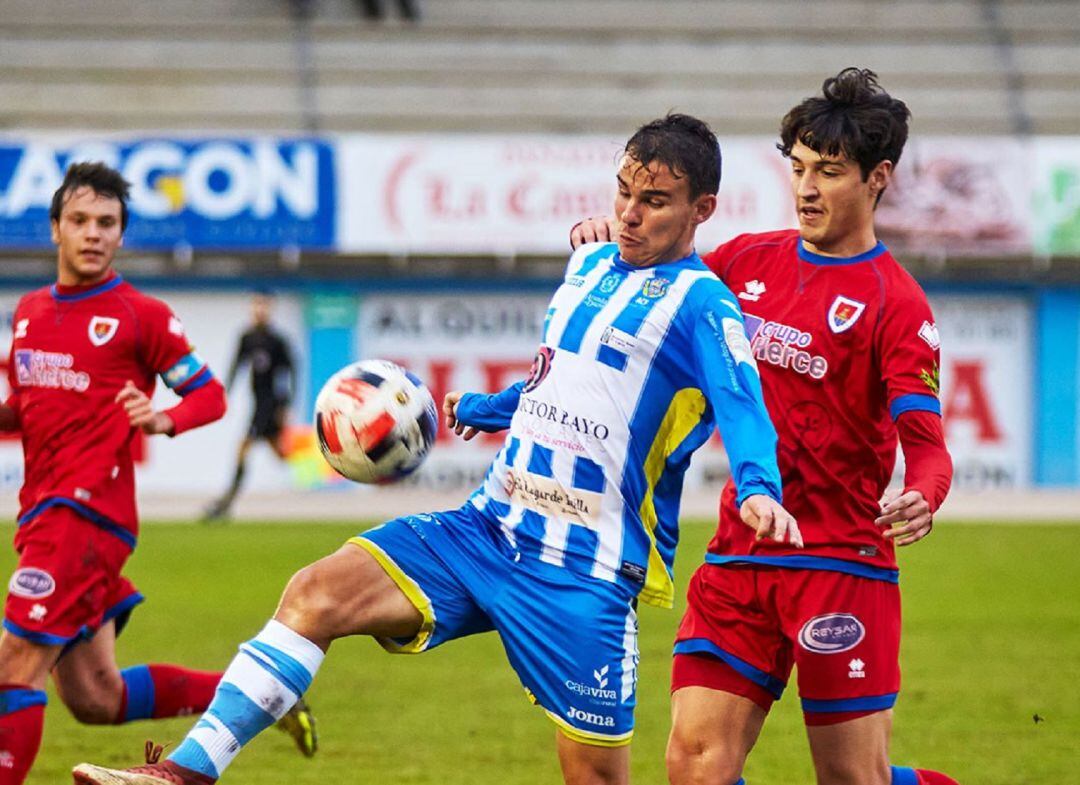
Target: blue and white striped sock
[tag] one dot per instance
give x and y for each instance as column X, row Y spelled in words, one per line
column 258, row 688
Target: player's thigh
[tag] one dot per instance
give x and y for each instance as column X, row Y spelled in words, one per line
column 855, row 751
column 24, row 662
column 712, row 732
column 573, row 642
column 587, row 764
column 347, row 593
column 88, row 680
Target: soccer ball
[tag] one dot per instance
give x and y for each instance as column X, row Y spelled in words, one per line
column 375, row 421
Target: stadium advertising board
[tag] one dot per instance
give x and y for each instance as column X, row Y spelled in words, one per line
column 986, row 388
column 519, row 194
column 213, row 193
column 1057, row 197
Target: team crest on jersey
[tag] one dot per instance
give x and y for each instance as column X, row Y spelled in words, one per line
column 843, row 313
column 102, row 329
column 655, row 287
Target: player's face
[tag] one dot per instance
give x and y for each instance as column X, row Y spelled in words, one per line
column 657, row 218
column 86, row 236
column 835, row 205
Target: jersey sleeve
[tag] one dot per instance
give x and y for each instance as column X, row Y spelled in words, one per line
column 727, row 374
column 908, row 350
column 165, row 350
column 490, row 413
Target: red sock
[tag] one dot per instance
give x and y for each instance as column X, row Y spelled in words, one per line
column 156, row 691
column 22, row 716
column 927, row 777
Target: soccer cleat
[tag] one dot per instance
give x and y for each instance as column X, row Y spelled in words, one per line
column 153, row 773
column 300, row 724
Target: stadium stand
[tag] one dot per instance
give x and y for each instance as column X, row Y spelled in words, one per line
column 964, row 66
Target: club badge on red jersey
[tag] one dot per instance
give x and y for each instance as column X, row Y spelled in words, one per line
column 843, row 313
column 102, row 329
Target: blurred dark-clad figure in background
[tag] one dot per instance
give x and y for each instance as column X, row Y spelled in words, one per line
column 273, row 383
column 376, row 9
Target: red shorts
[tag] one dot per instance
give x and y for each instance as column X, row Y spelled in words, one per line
column 68, row 582
column 746, row 626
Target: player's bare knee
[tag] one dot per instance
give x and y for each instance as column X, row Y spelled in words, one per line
column 308, row 605
column 694, row 762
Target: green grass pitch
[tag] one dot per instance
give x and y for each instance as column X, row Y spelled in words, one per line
column 991, row 642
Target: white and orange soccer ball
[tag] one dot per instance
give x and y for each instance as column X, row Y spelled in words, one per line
column 375, row 421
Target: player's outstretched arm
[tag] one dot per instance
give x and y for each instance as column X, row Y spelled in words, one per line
column 602, row 229
column 199, row 407
column 768, row 518
column 475, row 412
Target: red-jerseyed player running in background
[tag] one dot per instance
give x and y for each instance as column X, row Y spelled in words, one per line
column 848, row 353
column 83, row 363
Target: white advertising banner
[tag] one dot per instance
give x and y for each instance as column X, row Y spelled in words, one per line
column 986, row 388
column 200, row 461
column 520, row 194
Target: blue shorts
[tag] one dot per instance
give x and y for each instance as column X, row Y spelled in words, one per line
column 571, row 639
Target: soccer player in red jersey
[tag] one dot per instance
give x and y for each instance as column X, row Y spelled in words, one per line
column 83, row 363
column 848, row 353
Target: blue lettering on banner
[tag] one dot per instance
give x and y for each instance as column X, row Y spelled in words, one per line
column 224, row 193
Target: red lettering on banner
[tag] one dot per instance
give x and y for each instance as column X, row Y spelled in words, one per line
column 448, row 205
column 968, row 401
column 498, row 375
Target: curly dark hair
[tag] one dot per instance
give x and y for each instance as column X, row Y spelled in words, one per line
column 101, row 179
column 854, row 117
column 685, row 145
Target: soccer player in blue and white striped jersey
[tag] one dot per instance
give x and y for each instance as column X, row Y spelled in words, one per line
column 643, row 354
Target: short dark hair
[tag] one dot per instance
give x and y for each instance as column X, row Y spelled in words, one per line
column 854, row 117
column 685, row 145
column 101, row 179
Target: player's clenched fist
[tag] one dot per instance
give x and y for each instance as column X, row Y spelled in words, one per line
column 449, row 408
column 768, row 518
column 141, row 412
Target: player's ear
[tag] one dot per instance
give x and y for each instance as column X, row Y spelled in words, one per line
column 54, row 228
column 704, row 207
column 880, row 177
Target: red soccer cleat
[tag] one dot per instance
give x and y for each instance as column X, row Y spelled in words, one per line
column 153, row 773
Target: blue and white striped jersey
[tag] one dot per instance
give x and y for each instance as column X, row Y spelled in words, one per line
column 636, row 368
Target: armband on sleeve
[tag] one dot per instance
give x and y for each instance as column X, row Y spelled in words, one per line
column 188, row 374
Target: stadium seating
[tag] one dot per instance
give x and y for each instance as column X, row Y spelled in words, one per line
column 964, row 66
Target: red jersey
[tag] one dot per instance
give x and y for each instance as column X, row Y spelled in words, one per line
column 844, row 346
column 74, row 348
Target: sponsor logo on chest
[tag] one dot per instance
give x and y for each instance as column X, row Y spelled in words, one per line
column 52, row 370
column 784, row 346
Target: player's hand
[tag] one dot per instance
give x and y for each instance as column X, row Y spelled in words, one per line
column 909, row 508
column 594, row 230
column 768, row 518
column 141, row 412
column 449, row 407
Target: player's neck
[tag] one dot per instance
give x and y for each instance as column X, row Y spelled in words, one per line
column 67, row 279
column 847, row 246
